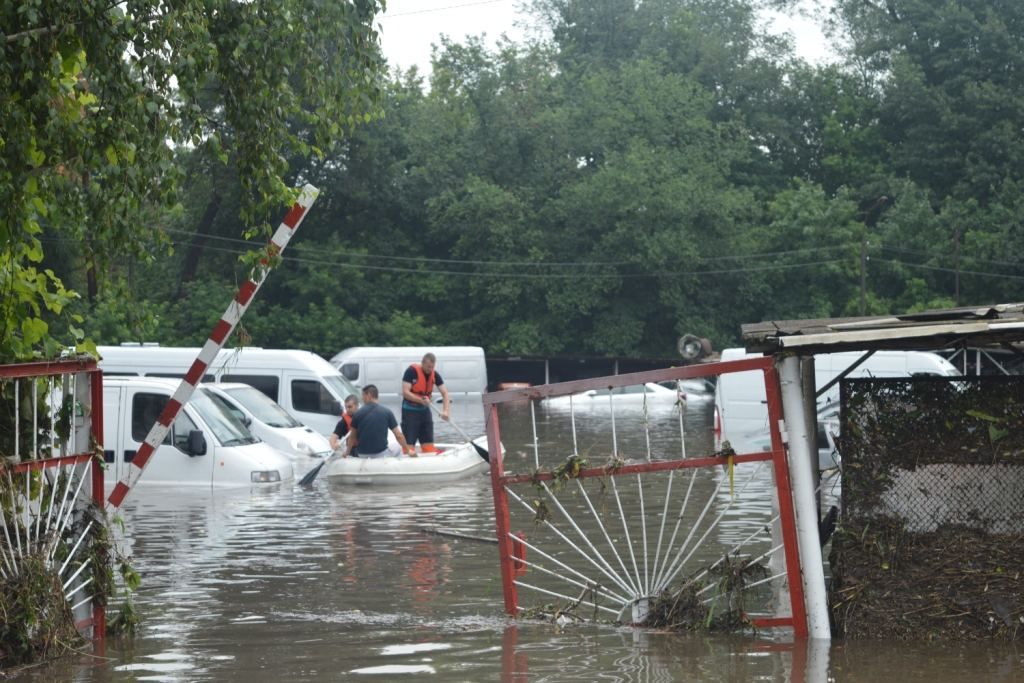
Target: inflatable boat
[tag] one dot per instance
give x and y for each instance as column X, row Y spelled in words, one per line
column 451, row 463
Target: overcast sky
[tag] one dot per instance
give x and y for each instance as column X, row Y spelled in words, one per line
column 409, row 27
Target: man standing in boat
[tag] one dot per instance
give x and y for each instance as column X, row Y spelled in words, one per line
column 370, row 427
column 418, row 384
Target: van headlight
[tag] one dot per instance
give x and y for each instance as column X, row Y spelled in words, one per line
column 265, row 476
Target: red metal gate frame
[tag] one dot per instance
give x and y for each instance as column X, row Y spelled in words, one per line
column 777, row 456
column 71, row 367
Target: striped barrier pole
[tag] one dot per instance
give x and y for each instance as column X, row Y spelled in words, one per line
column 221, row 331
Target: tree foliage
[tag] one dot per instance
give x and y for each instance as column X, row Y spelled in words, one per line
column 99, row 101
column 651, row 169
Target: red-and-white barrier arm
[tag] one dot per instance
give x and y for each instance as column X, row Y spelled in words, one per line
column 221, row 331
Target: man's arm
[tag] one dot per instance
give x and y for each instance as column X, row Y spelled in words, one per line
column 351, row 440
column 445, row 412
column 402, row 442
column 411, row 397
column 333, row 438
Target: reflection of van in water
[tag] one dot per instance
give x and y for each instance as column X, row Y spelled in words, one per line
column 463, row 368
column 303, row 383
column 206, row 445
column 741, row 407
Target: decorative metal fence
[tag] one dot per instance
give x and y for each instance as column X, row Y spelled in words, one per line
column 638, row 530
column 51, row 489
column 931, row 542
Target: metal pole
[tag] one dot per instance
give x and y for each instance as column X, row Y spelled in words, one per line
column 864, row 277
column 813, row 573
column 807, row 378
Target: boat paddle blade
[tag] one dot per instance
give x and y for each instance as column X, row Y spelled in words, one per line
column 311, row 475
column 482, row 452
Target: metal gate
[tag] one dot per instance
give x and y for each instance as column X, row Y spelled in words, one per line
column 52, row 416
column 616, row 540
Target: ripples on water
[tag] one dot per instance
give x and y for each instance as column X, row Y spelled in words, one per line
column 282, row 584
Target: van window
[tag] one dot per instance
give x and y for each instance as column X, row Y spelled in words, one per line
column 146, row 408
column 268, row 384
column 183, row 424
column 351, row 371
column 311, row 396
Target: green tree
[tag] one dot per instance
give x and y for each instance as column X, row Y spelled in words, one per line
column 94, row 97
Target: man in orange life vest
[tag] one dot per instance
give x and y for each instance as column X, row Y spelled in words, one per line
column 418, row 384
column 344, row 425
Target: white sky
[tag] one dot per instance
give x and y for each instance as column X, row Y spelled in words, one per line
column 409, row 27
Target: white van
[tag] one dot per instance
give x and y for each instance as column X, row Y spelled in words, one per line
column 463, row 368
column 303, row 383
column 206, row 445
column 268, row 420
column 741, row 406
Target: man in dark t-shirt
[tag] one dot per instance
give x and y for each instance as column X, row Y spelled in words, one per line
column 418, row 384
column 370, row 426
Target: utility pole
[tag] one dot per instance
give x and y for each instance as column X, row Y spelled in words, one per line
column 864, row 277
column 956, row 260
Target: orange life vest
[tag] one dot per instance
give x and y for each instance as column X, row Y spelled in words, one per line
column 347, row 418
column 424, row 385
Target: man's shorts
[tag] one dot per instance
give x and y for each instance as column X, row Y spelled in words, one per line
column 417, row 425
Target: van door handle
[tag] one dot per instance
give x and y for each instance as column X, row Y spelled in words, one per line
column 129, row 455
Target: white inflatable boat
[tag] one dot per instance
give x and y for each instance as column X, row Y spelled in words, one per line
column 453, row 462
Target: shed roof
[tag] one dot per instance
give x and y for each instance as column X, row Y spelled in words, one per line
column 945, row 328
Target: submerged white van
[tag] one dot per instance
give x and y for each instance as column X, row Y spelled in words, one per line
column 267, row 420
column 303, row 383
column 206, row 445
column 463, row 368
column 741, row 410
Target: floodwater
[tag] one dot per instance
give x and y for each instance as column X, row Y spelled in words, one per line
column 286, row 584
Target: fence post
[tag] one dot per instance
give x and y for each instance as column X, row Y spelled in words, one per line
column 804, row 499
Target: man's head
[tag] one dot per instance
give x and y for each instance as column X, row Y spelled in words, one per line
column 428, row 363
column 370, row 393
column 351, row 404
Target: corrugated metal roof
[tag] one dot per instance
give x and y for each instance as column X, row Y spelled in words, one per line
column 970, row 326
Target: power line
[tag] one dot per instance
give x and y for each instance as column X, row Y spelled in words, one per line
column 546, row 276
column 948, row 270
column 921, row 252
column 439, row 9
column 520, row 264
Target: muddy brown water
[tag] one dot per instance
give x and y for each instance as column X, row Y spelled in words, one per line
column 341, row 583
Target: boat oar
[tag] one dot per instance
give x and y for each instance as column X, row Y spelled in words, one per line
column 311, row 475
column 481, row 451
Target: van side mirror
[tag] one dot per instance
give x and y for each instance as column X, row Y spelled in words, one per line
column 196, row 443
column 247, row 421
column 336, row 407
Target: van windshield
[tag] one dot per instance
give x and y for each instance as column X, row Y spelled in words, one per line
column 225, row 427
column 262, row 408
column 341, row 386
